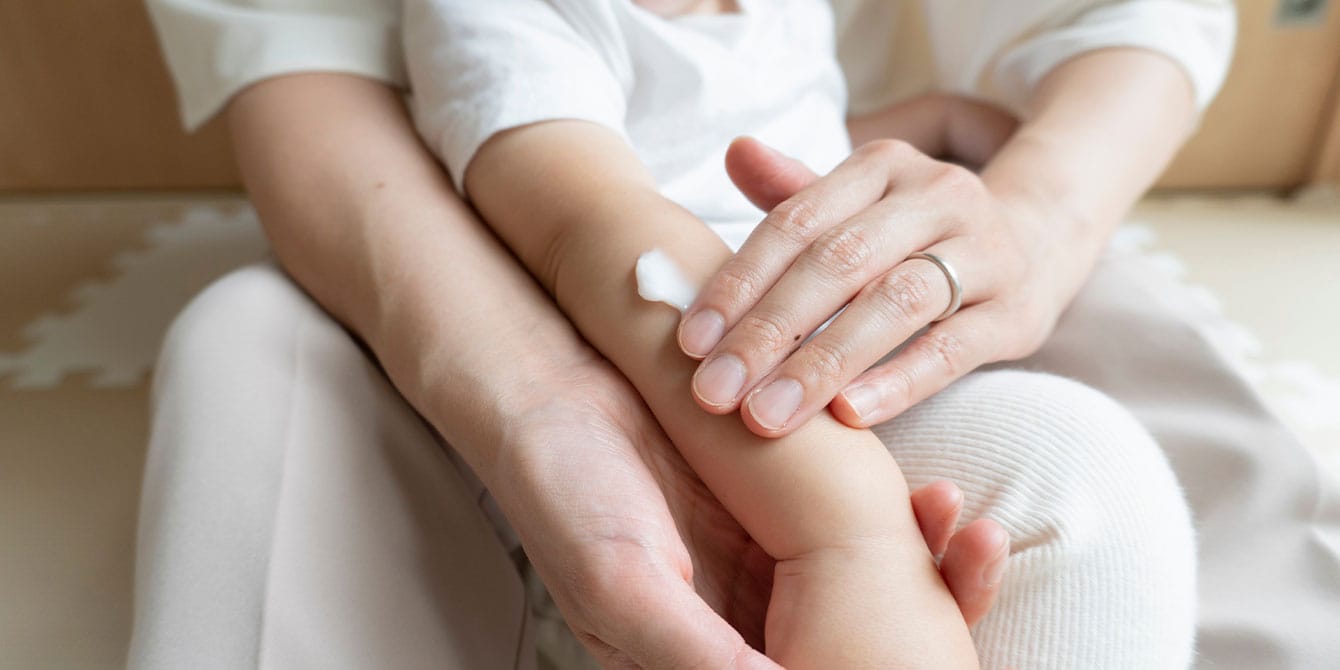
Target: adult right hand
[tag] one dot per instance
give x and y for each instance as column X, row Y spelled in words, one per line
column 649, row 570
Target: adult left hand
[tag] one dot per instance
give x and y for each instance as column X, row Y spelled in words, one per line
column 845, row 240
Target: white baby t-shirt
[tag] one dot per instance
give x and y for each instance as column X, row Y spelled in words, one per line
column 678, row 89
column 890, row 50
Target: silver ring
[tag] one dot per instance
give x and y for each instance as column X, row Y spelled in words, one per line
column 955, row 288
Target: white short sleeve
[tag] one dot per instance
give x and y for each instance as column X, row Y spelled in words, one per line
column 479, row 68
column 1000, row 51
column 215, row 48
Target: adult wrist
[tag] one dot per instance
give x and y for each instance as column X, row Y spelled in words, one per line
column 1028, row 176
column 478, row 379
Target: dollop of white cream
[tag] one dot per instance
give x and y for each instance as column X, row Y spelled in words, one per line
column 659, row 279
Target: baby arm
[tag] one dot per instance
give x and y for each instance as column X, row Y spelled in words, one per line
column 943, row 125
column 854, row 585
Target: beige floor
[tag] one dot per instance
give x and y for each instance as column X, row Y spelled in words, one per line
column 72, row 305
column 83, row 301
column 1274, row 268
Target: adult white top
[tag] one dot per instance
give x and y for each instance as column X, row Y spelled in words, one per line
column 889, row 49
column 677, row 89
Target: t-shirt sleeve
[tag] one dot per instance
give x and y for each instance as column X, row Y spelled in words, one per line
column 215, row 48
column 478, row 69
column 1005, row 49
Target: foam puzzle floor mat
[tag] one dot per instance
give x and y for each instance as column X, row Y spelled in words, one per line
column 88, row 286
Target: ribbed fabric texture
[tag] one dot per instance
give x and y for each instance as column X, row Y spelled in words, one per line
column 1102, row 573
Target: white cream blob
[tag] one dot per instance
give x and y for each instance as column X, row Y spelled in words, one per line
column 659, row 279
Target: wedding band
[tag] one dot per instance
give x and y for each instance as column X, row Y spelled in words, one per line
column 955, row 288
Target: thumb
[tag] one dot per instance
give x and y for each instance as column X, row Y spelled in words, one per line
column 763, row 174
column 674, row 628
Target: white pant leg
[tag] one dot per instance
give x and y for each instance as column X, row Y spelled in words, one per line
column 1267, row 516
column 1102, row 573
column 297, row 513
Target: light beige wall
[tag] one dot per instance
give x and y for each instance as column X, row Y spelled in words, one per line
column 1267, row 126
column 85, row 103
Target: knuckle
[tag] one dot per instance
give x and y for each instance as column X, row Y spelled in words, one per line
column 888, row 149
column 738, row 281
column 904, row 295
column 955, row 179
column 897, row 384
column 841, row 252
column 945, row 350
column 764, row 329
column 824, row 362
column 796, row 219
column 615, row 568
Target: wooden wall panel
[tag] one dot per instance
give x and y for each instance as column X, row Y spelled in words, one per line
column 1327, row 167
column 86, row 103
column 1264, row 129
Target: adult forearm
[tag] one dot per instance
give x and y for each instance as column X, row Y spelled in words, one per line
column 1099, row 130
column 363, row 217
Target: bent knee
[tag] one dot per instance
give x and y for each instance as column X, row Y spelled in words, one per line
column 249, row 329
column 1063, row 430
column 1093, row 510
column 1064, row 456
column 254, row 303
column 236, row 360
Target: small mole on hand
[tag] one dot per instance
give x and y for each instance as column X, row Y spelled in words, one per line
column 797, row 339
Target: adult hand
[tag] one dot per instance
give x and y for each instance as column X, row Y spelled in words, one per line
column 649, row 570
column 844, row 239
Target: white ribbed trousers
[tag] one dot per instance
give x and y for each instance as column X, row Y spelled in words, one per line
column 297, row 513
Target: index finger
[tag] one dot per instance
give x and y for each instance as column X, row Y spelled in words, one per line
column 858, row 182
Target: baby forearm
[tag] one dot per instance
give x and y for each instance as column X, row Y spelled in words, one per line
column 793, row 494
column 854, row 586
column 941, row 125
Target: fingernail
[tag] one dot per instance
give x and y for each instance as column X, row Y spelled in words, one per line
column 864, row 400
column 719, row 380
column 773, row 406
column 701, row 332
column 956, row 496
column 993, row 571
